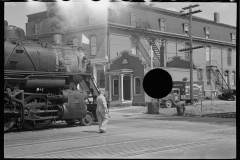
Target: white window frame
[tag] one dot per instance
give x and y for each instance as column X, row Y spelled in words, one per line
column 186, row 26
column 207, row 32
column 93, row 45
column 135, row 86
column 111, row 14
column 233, row 78
column 77, row 42
column 208, row 72
column 209, row 55
column 117, row 86
column 233, row 37
column 226, row 76
column 133, row 21
column 134, row 45
column 92, row 19
column 38, row 30
column 160, row 25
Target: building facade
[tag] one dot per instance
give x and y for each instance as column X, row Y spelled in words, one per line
column 116, row 31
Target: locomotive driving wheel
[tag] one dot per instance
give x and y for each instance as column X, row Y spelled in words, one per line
column 31, row 121
column 10, row 116
column 87, row 120
column 9, row 123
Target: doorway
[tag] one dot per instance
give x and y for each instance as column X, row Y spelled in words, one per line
column 126, row 88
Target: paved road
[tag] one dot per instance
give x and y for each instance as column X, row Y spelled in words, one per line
column 130, row 134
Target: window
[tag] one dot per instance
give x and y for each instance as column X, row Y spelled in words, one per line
column 233, row 78
column 208, row 72
column 100, row 79
column 206, row 32
column 93, row 45
column 137, row 85
column 75, row 42
column 208, row 53
column 226, row 76
column 218, row 77
column 187, row 53
column 92, row 19
column 162, row 25
column 134, row 18
column 229, row 57
column 233, row 37
column 115, row 87
column 38, row 27
column 185, row 29
column 200, row 74
column 111, row 15
column 134, row 45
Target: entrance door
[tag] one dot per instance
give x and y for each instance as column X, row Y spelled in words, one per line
column 126, row 88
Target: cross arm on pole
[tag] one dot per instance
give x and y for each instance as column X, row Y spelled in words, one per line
column 187, row 49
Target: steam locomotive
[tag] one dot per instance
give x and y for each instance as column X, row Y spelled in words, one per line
column 44, row 82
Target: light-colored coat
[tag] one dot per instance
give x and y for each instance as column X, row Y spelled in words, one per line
column 102, row 112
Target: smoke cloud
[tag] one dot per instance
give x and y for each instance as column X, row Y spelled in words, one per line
column 63, row 15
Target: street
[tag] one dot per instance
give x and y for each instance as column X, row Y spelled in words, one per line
column 131, row 133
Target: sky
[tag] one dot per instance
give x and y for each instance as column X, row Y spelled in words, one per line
column 16, row 12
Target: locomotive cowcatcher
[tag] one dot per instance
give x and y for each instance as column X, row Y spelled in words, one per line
column 44, row 82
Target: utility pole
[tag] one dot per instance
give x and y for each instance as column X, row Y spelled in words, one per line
column 190, row 39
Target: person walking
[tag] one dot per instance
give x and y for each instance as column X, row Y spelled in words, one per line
column 102, row 112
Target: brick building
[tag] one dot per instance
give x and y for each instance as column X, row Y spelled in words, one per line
column 116, row 31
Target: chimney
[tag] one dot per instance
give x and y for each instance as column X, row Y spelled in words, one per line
column 57, row 38
column 216, row 17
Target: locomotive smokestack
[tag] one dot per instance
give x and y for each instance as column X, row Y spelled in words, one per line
column 57, row 38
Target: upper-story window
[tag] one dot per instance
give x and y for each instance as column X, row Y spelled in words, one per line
column 93, row 42
column 92, row 19
column 226, row 73
column 111, row 15
column 75, row 42
column 208, row 53
column 229, row 57
column 208, row 73
column 187, row 53
column 185, row 29
column 233, row 78
column 206, row 32
column 200, row 74
column 38, row 27
column 233, row 37
column 134, row 45
column 134, row 19
column 162, row 25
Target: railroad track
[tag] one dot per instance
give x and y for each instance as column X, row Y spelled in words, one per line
column 221, row 115
column 131, row 146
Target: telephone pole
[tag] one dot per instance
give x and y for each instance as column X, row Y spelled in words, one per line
column 190, row 39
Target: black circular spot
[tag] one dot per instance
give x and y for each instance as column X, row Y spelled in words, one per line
column 157, row 83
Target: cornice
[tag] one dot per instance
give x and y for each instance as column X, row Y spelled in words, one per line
column 70, row 31
column 36, row 14
column 173, row 35
column 178, row 15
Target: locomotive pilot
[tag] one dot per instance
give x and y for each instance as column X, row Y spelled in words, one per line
column 102, row 112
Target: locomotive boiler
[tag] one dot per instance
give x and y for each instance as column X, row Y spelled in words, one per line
column 45, row 82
